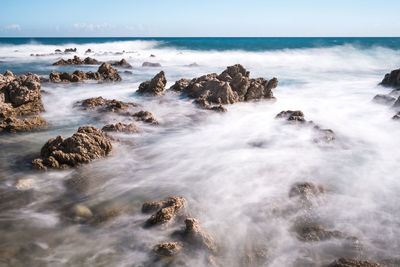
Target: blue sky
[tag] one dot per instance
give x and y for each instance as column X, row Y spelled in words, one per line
column 33, row 18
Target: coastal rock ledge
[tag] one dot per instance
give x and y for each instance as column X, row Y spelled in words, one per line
column 87, row 144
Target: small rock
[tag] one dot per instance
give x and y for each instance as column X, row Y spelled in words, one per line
column 150, row 64
column 122, row 63
column 25, row 184
column 153, row 87
column 166, row 210
column 80, row 213
column 121, row 127
column 145, row 116
column 167, row 249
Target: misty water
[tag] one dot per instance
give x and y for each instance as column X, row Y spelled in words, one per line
column 234, row 169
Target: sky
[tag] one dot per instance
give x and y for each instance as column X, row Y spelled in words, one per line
column 187, row 18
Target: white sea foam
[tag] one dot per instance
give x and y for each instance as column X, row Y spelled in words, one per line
column 233, row 169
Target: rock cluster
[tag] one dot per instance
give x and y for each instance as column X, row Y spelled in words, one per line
column 164, row 210
column 297, row 116
column 392, row 79
column 77, row 61
column 101, row 104
column 155, row 86
column 20, row 96
column 104, row 73
column 121, row 127
column 87, row 144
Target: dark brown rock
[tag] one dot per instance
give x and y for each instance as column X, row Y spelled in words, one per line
column 346, row 262
column 121, row 127
column 150, row 64
column 392, row 78
column 145, row 116
column 108, row 73
column 180, row 85
column 167, row 249
column 77, row 61
column 87, row 144
column 101, row 104
column 165, row 210
column 204, row 104
column 153, row 87
column 122, row 64
column 231, row 86
column 104, row 73
column 13, row 124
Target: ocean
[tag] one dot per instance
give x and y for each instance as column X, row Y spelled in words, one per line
column 234, row 169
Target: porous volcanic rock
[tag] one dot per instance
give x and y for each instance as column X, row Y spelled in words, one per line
column 180, row 85
column 391, row 79
column 145, row 116
column 20, row 95
column 77, row 61
column 87, row 144
column 101, row 104
column 164, row 210
column 153, row 87
column 104, row 73
column 167, row 249
column 346, row 262
column 121, row 127
column 13, row 124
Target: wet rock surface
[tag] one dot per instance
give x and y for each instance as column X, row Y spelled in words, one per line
column 87, row 144
column 121, row 127
column 231, row 86
column 104, row 73
column 346, row 262
column 13, row 124
column 20, row 95
column 165, row 210
column 392, row 79
column 154, row 87
column 145, row 116
column 101, row 104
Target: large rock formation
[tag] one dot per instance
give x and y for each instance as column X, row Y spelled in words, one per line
column 231, row 86
column 20, row 95
column 153, row 87
column 77, row 61
column 104, row 73
column 87, row 144
column 392, row 79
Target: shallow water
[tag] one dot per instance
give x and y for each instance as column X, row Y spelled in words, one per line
column 234, row 169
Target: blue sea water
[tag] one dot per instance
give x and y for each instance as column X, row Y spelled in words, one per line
column 228, row 43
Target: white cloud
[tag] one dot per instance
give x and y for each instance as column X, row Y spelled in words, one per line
column 16, row 27
column 91, row 27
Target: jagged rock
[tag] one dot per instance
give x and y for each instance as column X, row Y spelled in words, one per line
column 87, row 144
column 346, row 262
column 20, row 95
column 145, row 116
column 167, row 249
column 13, row 124
column 155, row 86
column 70, row 50
column 165, row 209
column 104, row 73
column 122, row 63
column 150, row 64
column 121, row 127
column 305, row 190
column 196, row 237
column 384, row 99
column 204, row 104
column 231, row 86
column 290, row 115
column 104, row 105
column 392, row 78
column 180, row 85
column 77, row 61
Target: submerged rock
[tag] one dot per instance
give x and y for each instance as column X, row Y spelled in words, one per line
column 150, row 64
column 70, row 50
column 314, row 232
column 196, row 237
column 231, row 86
column 80, row 213
column 204, row 104
column 153, row 87
column 384, row 99
column 104, row 73
column 396, row 117
column 392, row 78
column 305, row 190
column 121, row 127
column 13, row 124
column 145, row 116
column 167, row 249
column 346, row 262
column 87, row 144
column 20, row 95
column 164, row 210
column 101, row 104
column 292, row 116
